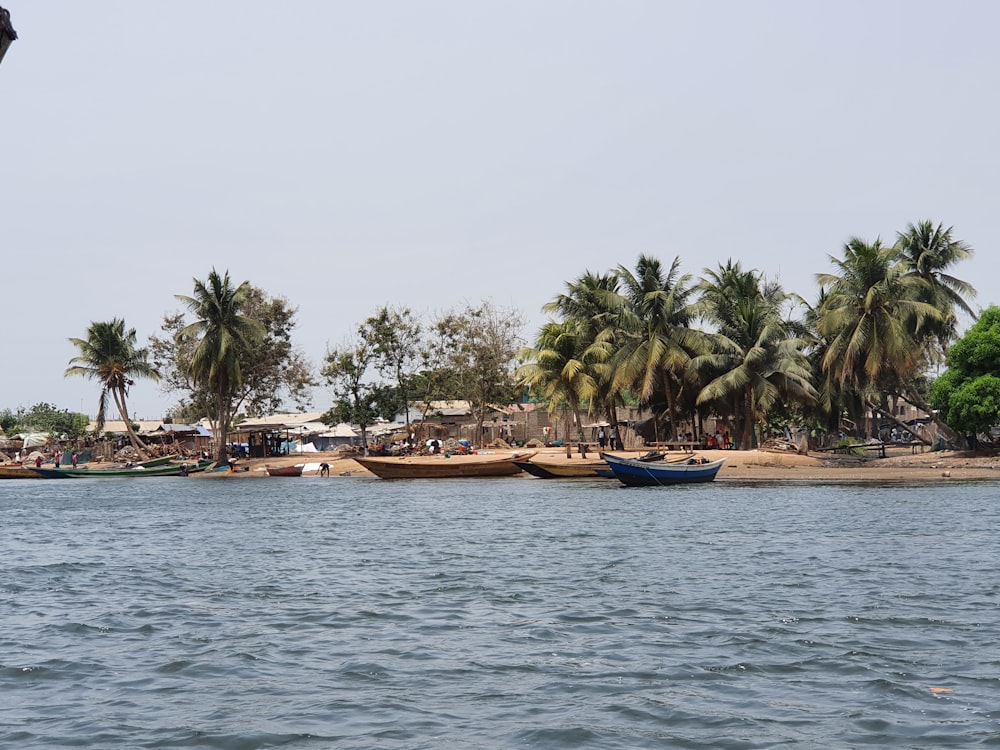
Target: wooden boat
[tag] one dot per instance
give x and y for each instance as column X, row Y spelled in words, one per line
column 161, row 461
column 173, row 470
column 285, row 471
column 29, row 472
column 554, row 467
column 445, row 466
column 583, row 468
column 636, row 473
column 535, row 469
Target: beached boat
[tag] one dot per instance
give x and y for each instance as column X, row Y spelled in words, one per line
column 445, row 466
column 555, row 467
column 29, row 472
column 583, row 468
column 285, row 471
column 636, row 473
column 535, row 470
column 161, row 461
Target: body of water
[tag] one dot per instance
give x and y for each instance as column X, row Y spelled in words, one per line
column 509, row 613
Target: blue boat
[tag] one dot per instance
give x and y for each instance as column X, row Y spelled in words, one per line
column 635, row 473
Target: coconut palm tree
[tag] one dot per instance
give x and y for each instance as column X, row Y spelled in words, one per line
column 556, row 365
column 929, row 252
column 594, row 305
column 757, row 362
column 656, row 340
column 223, row 336
column 109, row 355
column 872, row 320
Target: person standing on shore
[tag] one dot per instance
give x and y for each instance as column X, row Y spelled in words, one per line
column 602, row 438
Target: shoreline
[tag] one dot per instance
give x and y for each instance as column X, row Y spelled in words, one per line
column 752, row 465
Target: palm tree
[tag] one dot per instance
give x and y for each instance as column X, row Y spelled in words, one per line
column 557, row 367
column 656, row 341
column 929, row 251
column 110, row 356
column 757, row 362
column 871, row 321
column 224, row 335
column 593, row 304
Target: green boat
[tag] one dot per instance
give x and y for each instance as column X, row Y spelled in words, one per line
column 175, row 470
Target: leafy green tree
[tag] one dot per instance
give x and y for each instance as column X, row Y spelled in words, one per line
column 110, row 356
column 968, row 393
column 395, row 336
column 484, row 341
column 223, row 336
column 273, row 370
column 8, row 421
column 60, row 423
column 356, row 400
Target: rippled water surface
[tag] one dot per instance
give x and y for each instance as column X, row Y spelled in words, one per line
column 512, row 613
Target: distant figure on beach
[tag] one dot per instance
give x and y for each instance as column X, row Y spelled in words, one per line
column 57, row 458
column 324, row 469
column 616, row 443
column 602, row 438
column 38, row 461
column 75, row 459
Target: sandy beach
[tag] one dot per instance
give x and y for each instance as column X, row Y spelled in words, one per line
column 903, row 466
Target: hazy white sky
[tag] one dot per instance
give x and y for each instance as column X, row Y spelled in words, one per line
column 347, row 155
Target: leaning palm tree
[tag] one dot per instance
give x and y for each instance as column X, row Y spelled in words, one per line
column 110, row 356
column 224, row 335
column 557, row 367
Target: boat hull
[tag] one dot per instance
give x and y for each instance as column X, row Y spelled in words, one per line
column 285, row 471
column 30, row 472
column 443, row 467
column 136, row 472
column 585, row 469
column 634, row 473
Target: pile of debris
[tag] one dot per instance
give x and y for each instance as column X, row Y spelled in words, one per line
column 779, row 445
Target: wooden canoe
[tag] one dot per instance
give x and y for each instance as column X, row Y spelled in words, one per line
column 444, row 466
column 30, row 472
column 285, row 471
column 584, row 468
column 173, row 470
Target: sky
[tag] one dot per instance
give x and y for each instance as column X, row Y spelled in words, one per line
column 430, row 155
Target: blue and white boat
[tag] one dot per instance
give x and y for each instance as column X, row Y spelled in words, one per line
column 635, row 473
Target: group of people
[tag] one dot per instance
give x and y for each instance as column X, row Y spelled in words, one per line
column 57, row 456
column 609, row 438
column 721, row 441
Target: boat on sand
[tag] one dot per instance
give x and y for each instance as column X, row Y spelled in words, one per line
column 285, row 471
column 636, row 473
column 445, row 466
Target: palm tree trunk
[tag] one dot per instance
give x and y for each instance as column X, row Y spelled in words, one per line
column 668, row 389
column 746, row 437
column 139, row 446
column 914, row 397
